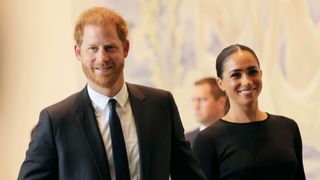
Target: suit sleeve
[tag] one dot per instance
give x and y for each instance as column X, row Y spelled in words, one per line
column 41, row 157
column 300, row 175
column 183, row 163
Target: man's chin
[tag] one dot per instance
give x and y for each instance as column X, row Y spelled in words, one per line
column 106, row 85
column 102, row 84
column 200, row 121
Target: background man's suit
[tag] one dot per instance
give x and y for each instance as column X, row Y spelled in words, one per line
column 191, row 136
column 67, row 143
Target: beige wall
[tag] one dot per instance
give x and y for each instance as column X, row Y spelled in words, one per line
column 37, row 69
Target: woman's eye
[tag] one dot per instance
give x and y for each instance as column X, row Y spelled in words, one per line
column 253, row 72
column 236, row 75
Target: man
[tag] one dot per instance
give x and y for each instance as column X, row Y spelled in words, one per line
column 208, row 103
column 111, row 129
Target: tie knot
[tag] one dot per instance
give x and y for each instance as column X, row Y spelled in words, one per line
column 112, row 103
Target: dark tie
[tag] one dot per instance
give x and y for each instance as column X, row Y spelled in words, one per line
column 120, row 158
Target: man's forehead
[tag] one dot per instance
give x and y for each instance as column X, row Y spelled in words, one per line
column 105, row 27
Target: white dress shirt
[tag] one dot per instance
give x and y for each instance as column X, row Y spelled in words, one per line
column 202, row 127
column 124, row 111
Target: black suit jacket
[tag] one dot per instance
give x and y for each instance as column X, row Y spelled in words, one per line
column 191, row 136
column 67, row 143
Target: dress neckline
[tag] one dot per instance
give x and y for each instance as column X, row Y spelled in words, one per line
column 246, row 123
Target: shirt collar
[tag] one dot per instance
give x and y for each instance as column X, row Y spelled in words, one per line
column 202, row 127
column 101, row 101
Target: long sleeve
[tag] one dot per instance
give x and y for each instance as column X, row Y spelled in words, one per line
column 300, row 175
column 205, row 152
column 41, row 157
column 183, row 162
column 269, row 149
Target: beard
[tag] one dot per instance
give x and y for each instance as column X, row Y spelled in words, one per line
column 105, row 79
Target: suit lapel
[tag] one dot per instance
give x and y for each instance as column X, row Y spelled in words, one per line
column 139, row 109
column 88, row 124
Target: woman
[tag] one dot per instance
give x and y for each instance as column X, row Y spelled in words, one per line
column 248, row 143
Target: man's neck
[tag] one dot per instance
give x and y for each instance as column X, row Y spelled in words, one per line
column 204, row 125
column 108, row 91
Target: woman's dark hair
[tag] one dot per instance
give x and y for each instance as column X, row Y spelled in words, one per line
column 226, row 52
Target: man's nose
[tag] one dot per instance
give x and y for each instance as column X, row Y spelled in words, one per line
column 196, row 105
column 103, row 55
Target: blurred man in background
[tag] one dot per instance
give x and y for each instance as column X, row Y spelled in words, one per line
column 209, row 104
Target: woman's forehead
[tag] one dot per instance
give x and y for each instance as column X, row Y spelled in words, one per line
column 241, row 59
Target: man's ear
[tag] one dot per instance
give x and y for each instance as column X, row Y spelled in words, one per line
column 77, row 51
column 222, row 100
column 126, row 47
column 220, row 84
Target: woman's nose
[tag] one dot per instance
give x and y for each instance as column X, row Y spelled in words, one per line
column 245, row 79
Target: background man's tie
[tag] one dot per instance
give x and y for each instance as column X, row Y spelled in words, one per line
column 120, row 158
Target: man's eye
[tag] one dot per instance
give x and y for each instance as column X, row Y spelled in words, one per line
column 109, row 48
column 92, row 48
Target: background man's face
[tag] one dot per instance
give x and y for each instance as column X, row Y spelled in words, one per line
column 206, row 108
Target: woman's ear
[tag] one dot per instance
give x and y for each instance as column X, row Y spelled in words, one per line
column 220, row 84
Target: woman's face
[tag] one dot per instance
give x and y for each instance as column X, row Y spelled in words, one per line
column 241, row 78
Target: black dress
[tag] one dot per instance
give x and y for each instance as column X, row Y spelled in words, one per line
column 269, row 149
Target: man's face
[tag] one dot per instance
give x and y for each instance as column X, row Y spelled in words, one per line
column 102, row 55
column 206, row 108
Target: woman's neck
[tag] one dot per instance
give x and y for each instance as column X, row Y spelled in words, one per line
column 245, row 114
